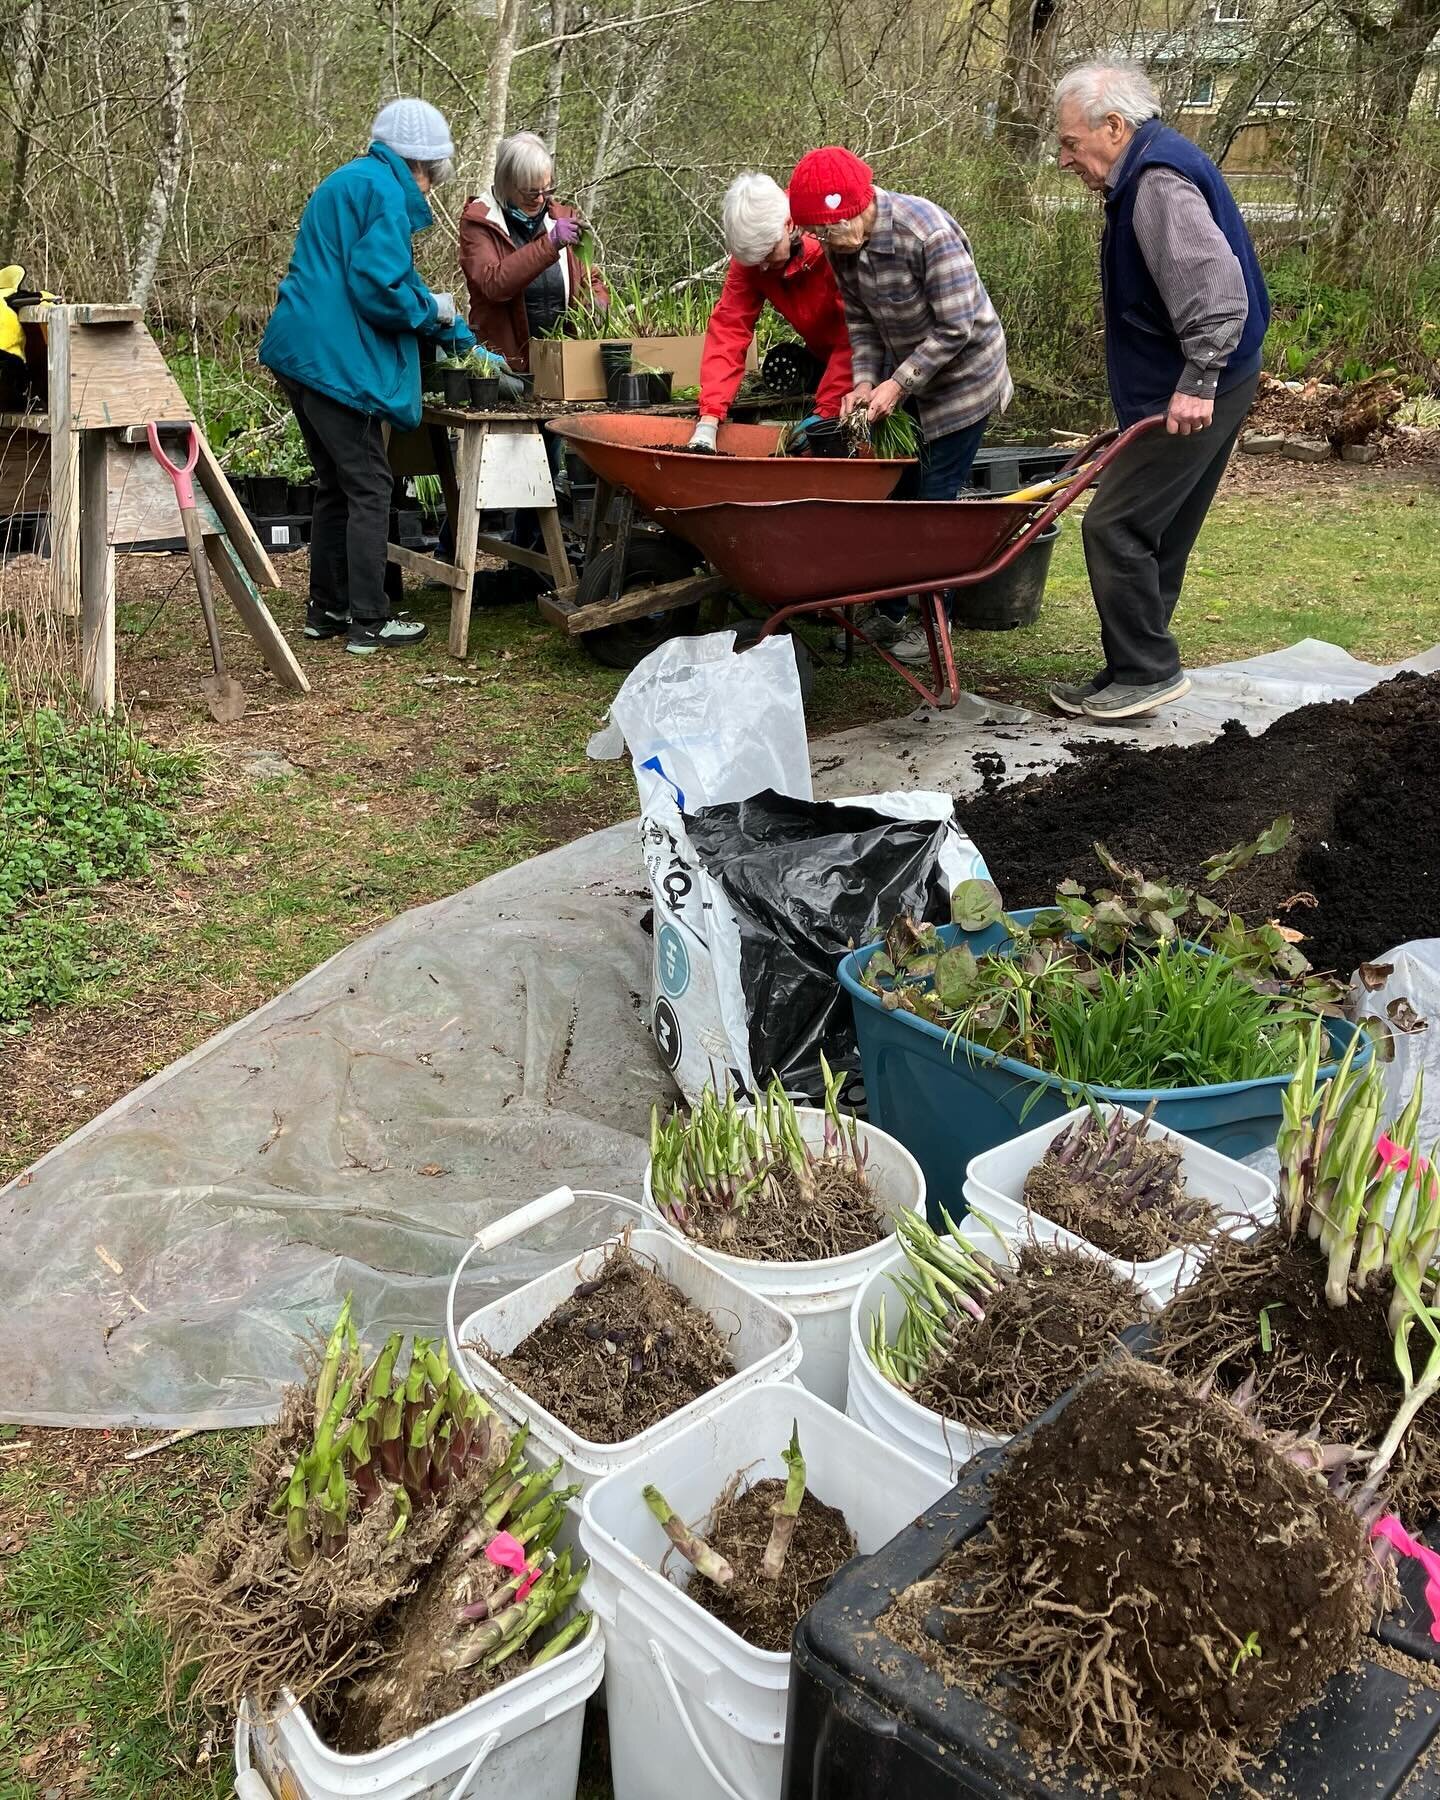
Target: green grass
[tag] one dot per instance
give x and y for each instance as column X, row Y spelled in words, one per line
column 404, row 793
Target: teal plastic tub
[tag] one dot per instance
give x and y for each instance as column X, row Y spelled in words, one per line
column 948, row 1102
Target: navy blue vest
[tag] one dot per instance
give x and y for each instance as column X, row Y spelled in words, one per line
column 1143, row 356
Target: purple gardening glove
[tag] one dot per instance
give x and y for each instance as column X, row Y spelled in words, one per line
column 566, row 232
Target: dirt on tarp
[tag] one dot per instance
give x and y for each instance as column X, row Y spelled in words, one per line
column 1159, row 1588
column 764, row 1612
column 1359, row 876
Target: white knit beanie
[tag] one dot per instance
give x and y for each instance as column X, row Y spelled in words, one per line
column 414, row 130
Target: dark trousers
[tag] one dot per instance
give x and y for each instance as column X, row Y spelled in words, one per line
column 1139, row 531
column 351, row 523
column 942, row 470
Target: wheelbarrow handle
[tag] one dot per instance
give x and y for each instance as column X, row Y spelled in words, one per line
column 1105, row 441
column 179, row 473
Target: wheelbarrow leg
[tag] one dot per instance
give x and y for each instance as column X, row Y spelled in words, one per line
column 942, row 654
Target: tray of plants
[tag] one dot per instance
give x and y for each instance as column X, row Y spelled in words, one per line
column 970, row 1032
column 703, row 1555
column 617, row 1351
column 1115, row 1183
column 1143, row 1595
column 382, row 1610
column 796, row 1203
column 649, row 456
column 961, row 1340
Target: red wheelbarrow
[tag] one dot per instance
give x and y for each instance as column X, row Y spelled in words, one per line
column 820, row 558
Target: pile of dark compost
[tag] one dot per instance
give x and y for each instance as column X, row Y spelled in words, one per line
column 625, row 1350
column 765, row 1612
column 1356, row 776
column 1160, row 1591
column 1060, row 1317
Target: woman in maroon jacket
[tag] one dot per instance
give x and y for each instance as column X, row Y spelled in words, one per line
column 769, row 260
column 517, row 248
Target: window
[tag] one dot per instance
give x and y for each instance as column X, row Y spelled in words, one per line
column 1202, row 91
column 1273, row 99
column 1231, row 12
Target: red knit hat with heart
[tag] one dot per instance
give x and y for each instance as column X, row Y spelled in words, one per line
column 829, row 185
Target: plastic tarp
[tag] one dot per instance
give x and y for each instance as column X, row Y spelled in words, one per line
column 161, row 1265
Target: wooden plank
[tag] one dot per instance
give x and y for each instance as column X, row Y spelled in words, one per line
column 428, row 568
column 97, row 576
column 141, row 497
column 512, row 553
column 38, row 422
column 465, row 522
column 210, row 478
column 64, row 474
column 634, row 603
column 555, row 546
column 85, row 312
column 255, row 616
column 117, row 375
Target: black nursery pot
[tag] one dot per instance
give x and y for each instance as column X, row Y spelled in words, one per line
column 828, row 437
column 869, row 1721
column 484, row 392
column 302, row 499
column 662, row 382
column 240, row 485
column 269, row 495
column 632, row 392
column 455, row 385
column 615, row 360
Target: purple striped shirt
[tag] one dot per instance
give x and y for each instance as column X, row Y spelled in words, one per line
column 918, row 311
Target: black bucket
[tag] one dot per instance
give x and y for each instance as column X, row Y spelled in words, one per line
column 1013, row 597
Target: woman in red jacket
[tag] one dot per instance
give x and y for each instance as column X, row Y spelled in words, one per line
column 769, row 260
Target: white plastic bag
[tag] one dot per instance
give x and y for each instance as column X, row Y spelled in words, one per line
column 705, row 725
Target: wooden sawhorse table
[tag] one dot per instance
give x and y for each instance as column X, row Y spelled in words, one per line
column 502, row 466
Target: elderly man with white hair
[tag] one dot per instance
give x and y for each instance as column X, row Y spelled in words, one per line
column 770, row 261
column 1185, row 318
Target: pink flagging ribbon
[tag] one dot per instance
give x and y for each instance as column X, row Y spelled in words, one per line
column 1395, row 1533
column 507, row 1552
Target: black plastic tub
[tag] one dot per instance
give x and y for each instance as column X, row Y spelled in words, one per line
column 301, row 499
column 455, row 387
column 828, row 437
column 269, row 494
column 868, row 1721
column 484, row 392
column 1014, row 596
column 662, row 384
column 632, row 392
column 615, row 359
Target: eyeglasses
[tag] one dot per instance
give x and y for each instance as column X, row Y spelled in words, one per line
column 532, row 194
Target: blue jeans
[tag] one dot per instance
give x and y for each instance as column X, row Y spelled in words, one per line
column 940, row 474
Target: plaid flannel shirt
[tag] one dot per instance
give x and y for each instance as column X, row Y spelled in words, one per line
column 918, row 311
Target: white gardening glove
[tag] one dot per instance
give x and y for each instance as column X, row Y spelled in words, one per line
column 703, row 436
column 444, row 308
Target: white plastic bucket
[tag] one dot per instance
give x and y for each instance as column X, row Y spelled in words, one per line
column 937, row 1443
column 819, row 1295
column 694, row 1711
column 765, row 1346
column 1243, row 1200
column 519, row 1742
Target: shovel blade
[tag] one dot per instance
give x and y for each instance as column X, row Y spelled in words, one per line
column 224, row 696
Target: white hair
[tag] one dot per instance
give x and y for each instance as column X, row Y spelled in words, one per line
column 756, row 214
column 1099, row 88
column 522, row 161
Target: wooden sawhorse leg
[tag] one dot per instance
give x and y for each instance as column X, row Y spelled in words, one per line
column 465, row 523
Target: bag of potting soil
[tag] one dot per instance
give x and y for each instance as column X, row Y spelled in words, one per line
column 806, row 881
column 708, row 728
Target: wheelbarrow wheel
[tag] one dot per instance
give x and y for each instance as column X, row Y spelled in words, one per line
column 747, row 636
column 652, row 560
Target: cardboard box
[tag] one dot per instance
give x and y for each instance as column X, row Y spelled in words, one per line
column 569, row 368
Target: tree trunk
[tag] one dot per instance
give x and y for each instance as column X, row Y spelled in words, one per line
column 32, row 52
column 1032, row 31
column 168, row 155
column 555, row 76
column 497, row 90
column 1393, row 54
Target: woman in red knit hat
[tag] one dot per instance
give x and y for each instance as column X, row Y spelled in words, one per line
column 923, row 332
column 769, row 261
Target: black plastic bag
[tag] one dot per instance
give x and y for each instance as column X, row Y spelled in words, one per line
column 808, row 881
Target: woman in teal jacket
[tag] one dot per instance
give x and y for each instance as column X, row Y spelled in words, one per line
column 343, row 342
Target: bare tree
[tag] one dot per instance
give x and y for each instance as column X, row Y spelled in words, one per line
column 497, row 89
column 555, row 74
column 168, row 155
column 1031, row 36
column 1390, row 55
column 27, row 80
